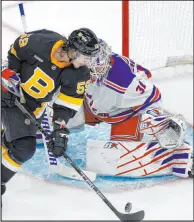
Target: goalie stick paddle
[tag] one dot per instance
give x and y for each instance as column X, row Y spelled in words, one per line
column 137, row 216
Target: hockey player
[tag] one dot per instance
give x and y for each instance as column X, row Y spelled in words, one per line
column 39, row 63
column 121, row 94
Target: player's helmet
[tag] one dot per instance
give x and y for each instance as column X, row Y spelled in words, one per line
column 84, row 41
column 101, row 63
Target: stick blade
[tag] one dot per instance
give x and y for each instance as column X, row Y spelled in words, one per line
column 69, row 172
column 138, row 216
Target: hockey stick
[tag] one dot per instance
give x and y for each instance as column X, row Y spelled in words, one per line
column 54, row 164
column 23, row 18
column 138, row 216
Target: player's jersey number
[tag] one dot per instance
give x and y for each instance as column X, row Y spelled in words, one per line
column 23, row 41
column 82, row 86
column 39, row 85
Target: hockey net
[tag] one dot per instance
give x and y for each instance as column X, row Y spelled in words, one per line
column 158, row 34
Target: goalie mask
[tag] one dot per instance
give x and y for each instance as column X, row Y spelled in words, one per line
column 101, row 64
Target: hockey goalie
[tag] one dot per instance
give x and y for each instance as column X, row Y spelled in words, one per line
column 145, row 140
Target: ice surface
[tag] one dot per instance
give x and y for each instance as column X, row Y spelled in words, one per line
column 50, row 197
column 34, row 198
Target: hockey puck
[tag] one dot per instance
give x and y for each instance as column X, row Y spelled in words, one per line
column 128, row 207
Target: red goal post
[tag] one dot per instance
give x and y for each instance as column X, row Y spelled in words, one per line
column 158, row 34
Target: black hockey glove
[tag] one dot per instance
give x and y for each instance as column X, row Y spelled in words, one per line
column 59, row 144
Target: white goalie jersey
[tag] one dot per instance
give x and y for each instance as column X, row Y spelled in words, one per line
column 124, row 92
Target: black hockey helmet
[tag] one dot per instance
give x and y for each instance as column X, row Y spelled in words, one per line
column 83, row 40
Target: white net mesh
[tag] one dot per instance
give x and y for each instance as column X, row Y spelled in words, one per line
column 161, row 32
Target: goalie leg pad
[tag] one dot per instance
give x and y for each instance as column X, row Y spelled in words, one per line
column 137, row 159
column 182, row 161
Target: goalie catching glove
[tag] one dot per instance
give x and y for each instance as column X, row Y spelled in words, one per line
column 59, row 143
column 169, row 129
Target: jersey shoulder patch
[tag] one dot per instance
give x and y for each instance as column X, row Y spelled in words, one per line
column 120, row 75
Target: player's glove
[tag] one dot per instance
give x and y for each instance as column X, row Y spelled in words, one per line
column 59, row 143
column 7, row 90
column 9, row 75
column 10, row 86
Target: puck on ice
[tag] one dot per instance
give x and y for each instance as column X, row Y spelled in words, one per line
column 128, row 207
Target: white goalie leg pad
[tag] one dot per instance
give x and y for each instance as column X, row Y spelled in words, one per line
column 136, row 159
column 129, row 159
column 182, row 158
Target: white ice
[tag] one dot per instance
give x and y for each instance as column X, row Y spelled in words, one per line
column 28, row 198
column 31, row 199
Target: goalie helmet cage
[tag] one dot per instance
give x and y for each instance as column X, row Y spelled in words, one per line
column 158, row 34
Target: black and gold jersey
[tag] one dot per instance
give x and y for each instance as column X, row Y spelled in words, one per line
column 32, row 55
